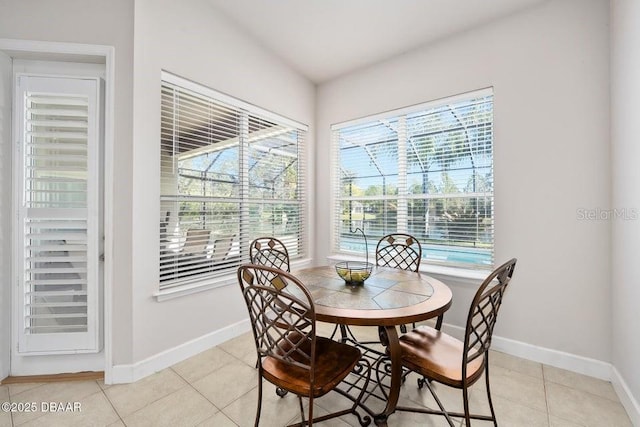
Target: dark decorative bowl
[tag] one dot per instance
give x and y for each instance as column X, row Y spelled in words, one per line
column 354, row 272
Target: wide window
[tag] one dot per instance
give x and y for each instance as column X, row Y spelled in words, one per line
column 426, row 170
column 230, row 172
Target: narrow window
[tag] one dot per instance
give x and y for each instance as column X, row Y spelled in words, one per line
column 58, row 229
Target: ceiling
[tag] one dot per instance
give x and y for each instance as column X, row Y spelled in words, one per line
column 323, row 39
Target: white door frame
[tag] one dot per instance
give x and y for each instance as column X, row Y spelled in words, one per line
column 74, row 51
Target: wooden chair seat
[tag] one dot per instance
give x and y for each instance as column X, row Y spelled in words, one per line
column 334, row 361
column 442, row 358
column 434, row 354
column 290, row 353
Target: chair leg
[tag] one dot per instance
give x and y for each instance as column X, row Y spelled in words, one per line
column 465, row 400
column 301, row 411
column 486, row 374
column 422, row 381
column 259, row 398
column 403, row 328
column 440, row 405
column 363, row 368
column 439, row 322
column 343, row 333
column 310, row 423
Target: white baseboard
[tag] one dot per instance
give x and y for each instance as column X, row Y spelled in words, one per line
column 630, row 403
column 570, row 362
column 130, row 373
column 559, row 359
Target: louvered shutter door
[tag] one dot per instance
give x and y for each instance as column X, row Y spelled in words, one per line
column 59, row 215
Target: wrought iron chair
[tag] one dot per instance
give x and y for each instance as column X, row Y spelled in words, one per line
column 290, row 354
column 271, row 252
column 398, row 250
column 442, row 358
column 403, row 251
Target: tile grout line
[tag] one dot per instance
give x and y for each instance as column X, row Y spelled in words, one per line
column 13, row 422
column 112, row 405
column 599, row 396
column 238, row 359
column 153, row 401
column 203, row 396
column 546, row 396
column 239, row 397
column 253, row 366
column 10, row 413
column 546, row 382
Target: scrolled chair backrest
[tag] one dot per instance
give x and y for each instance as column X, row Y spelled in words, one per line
column 282, row 315
column 271, row 252
column 484, row 311
column 399, row 250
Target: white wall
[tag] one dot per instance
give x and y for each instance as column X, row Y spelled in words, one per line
column 5, row 213
column 192, row 40
column 625, row 134
column 549, row 69
column 104, row 23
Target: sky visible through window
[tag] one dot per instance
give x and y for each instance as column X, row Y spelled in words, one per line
column 428, row 173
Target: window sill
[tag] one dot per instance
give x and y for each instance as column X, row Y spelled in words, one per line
column 195, row 287
column 438, row 271
column 212, row 283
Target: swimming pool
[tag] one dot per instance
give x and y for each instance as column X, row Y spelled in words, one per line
column 439, row 254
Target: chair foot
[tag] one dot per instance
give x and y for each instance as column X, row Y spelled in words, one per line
column 421, row 383
column 281, row 392
column 403, row 329
column 364, row 421
column 380, row 420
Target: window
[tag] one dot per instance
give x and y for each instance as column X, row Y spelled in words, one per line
column 230, row 172
column 425, row 170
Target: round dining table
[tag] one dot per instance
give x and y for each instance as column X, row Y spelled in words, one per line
column 388, row 298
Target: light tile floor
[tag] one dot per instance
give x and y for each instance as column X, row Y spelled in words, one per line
column 218, row 388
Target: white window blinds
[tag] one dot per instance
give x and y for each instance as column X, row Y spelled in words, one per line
column 425, row 170
column 230, row 172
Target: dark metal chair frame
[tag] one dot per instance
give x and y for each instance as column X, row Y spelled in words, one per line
column 271, row 252
column 475, row 348
column 283, row 321
column 401, row 250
